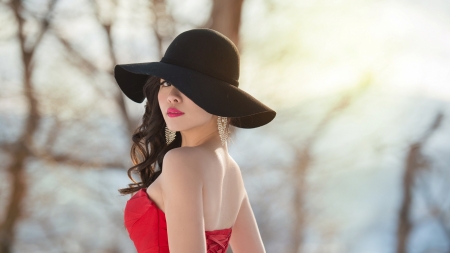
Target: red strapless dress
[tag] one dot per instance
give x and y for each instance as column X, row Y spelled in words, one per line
column 147, row 228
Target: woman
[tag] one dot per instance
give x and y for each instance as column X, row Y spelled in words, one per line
column 191, row 197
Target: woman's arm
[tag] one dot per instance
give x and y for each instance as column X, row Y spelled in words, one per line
column 181, row 185
column 245, row 237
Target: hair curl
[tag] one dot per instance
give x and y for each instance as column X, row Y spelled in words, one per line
column 149, row 142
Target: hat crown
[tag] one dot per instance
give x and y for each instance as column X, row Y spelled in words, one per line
column 206, row 51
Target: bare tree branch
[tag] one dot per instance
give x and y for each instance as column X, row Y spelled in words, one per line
column 20, row 153
column 119, row 98
column 414, row 162
column 163, row 23
column 304, row 159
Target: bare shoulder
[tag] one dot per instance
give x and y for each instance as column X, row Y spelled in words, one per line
column 235, row 166
column 180, row 160
column 178, row 153
column 182, row 156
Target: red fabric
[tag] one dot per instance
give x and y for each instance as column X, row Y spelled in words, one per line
column 147, row 228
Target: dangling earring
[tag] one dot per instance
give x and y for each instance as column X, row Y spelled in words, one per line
column 170, row 135
column 221, row 125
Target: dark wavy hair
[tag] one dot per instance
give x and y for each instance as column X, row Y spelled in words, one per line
column 149, row 141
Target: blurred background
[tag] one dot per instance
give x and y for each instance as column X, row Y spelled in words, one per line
column 357, row 159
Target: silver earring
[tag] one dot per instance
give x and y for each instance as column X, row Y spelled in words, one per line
column 221, row 125
column 170, row 135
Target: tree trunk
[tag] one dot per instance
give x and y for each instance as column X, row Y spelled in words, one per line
column 226, row 19
column 23, row 145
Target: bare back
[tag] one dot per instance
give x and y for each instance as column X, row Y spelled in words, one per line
column 223, row 189
column 225, row 200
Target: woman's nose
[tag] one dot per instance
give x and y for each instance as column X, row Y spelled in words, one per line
column 174, row 95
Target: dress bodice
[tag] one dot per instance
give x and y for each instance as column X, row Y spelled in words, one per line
column 147, row 228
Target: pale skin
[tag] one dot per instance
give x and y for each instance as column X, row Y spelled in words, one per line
column 201, row 188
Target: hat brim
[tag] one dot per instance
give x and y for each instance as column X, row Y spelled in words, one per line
column 211, row 94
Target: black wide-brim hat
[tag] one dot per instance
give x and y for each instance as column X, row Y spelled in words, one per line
column 204, row 65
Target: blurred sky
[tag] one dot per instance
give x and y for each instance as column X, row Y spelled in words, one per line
column 292, row 50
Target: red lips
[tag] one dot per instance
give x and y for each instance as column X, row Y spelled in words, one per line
column 173, row 112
